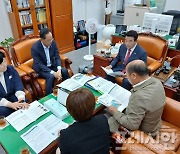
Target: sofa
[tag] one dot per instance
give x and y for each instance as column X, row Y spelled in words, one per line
column 166, row 142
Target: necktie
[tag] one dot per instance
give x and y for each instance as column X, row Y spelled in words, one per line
column 127, row 56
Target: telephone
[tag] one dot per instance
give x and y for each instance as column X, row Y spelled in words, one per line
column 165, row 69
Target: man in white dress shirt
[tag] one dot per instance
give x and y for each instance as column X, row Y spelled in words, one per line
column 47, row 62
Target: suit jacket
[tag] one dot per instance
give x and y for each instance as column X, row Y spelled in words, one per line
column 39, row 57
column 145, row 108
column 138, row 53
column 13, row 84
column 89, row 137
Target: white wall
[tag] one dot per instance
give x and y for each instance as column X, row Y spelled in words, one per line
column 5, row 28
column 86, row 9
column 172, row 5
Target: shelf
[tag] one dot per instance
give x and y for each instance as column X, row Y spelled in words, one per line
column 31, row 14
column 44, row 22
column 24, row 9
column 78, row 38
column 27, row 26
column 40, row 6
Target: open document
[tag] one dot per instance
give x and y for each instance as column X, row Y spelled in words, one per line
column 22, row 118
column 82, row 78
column 111, row 73
column 117, row 97
column 100, row 84
column 69, row 84
column 75, row 82
column 41, row 135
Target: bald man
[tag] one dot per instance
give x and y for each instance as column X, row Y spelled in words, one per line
column 146, row 102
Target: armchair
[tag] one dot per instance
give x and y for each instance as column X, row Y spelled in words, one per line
column 156, row 48
column 24, row 77
column 21, row 55
column 168, row 139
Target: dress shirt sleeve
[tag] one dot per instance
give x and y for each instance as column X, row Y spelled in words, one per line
column 117, row 59
column 20, row 95
column 4, row 102
column 59, row 67
column 135, row 113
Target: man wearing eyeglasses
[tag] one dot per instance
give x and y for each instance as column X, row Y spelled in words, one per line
column 47, row 62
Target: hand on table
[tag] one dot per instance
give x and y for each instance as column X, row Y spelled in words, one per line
column 17, row 105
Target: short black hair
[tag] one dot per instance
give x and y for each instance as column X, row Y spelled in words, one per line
column 132, row 33
column 138, row 68
column 2, row 55
column 44, row 32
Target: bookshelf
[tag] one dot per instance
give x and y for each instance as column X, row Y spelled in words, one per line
column 31, row 16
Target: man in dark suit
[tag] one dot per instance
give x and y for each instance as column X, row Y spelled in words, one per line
column 11, row 89
column 47, row 62
column 128, row 52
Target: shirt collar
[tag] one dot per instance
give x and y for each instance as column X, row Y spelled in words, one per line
column 132, row 49
column 1, row 73
column 45, row 46
column 140, row 83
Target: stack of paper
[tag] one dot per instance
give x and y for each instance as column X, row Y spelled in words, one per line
column 56, row 108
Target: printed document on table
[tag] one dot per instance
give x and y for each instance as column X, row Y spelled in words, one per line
column 37, row 138
column 41, row 135
column 69, row 84
column 82, row 78
column 53, row 125
column 101, row 84
column 22, row 118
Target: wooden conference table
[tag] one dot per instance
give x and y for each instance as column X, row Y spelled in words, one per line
column 13, row 143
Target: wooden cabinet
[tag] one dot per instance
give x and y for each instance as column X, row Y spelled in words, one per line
column 31, row 16
column 62, row 24
column 116, row 39
column 175, row 54
column 100, row 60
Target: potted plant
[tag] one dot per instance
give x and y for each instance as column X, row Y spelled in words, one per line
column 7, row 43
